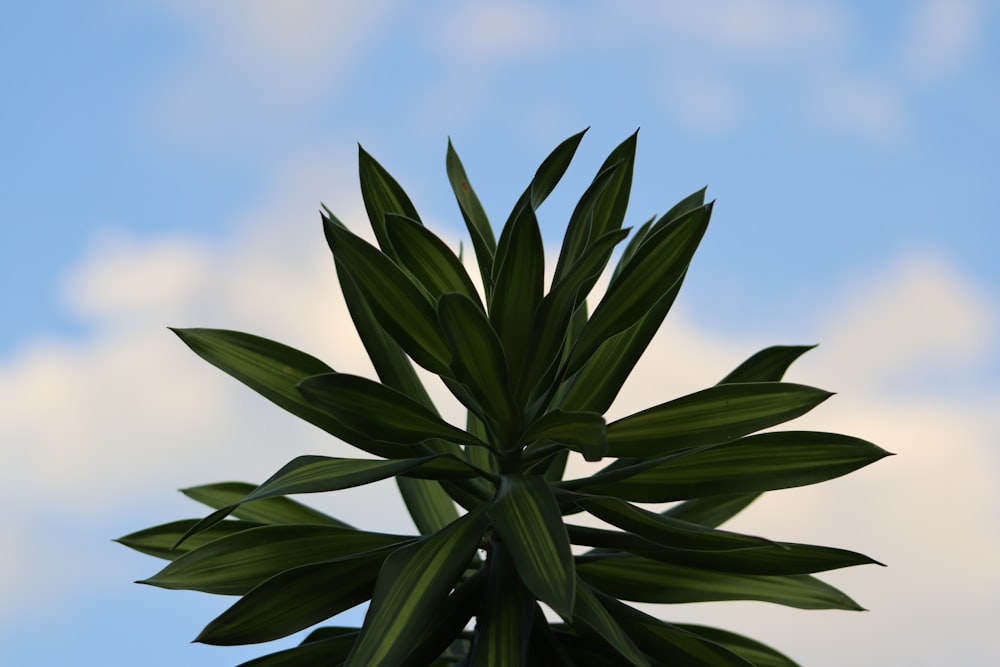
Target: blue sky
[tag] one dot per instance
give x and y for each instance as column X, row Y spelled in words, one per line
column 161, row 164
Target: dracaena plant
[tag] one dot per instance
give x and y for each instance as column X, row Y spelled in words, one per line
column 509, row 567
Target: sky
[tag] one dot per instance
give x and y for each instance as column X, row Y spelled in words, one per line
column 162, row 164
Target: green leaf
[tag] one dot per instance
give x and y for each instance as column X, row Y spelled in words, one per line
column 428, row 259
column 519, row 281
column 483, row 241
column 234, row 564
column 775, row 559
column 549, row 173
column 382, row 195
column 296, row 599
column 755, row 652
column 503, row 631
column 593, row 614
column 330, row 650
column 714, row 415
column 272, row 370
column 429, row 505
column 528, row 520
column 657, row 266
column 760, row 462
column 449, row 622
column 580, row 431
column 644, row 580
column 268, row 510
column 477, row 359
column 768, row 365
column 159, row 540
column 398, row 304
column 379, row 412
column 711, row 511
column 412, row 586
column 602, row 208
column 669, row 643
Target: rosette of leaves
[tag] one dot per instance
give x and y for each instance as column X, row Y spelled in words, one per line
column 508, row 568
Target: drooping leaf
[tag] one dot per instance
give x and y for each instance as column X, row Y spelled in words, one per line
column 413, row 584
column 329, row 650
column 296, row 599
column 159, row 540
column 382, row 195
column 776, row 559
column 761, row 462
column 379, row 412
column 595, row 616
column 398, row 304
column 483, row 242
column 657, row 266
column 267, row 510
column 234, row 564
column 757, row 653
column 645, row 580
column 503, row 631
column 718, row 414
column 438, row 641
column 580, row 431
column 428, row 259
column 711, row 511
column 528, row 520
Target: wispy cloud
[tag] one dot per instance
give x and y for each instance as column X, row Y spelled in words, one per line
column 940, row 37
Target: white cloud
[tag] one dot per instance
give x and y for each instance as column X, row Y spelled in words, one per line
column 486, row 33
column 258, row 61
column 940, row 37
column 110, row 426
column 875, row 110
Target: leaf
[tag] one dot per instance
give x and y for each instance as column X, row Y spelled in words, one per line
column 477, row 359
column 483, row 242
column 714, row 415
column 412, row 586
column 768, row 365
column 711, row 511
column 592, row 613
column 159, row 540
column 776, row 559
column 669, row 643
column 429, row 505
column 580, row 431
column 234, row 564
column 755, row 652
column 657, row 266
column 382, row 195
column 296, row 599
column 518, row 284
column 760, row 462
column 272, row 370
column 527, row 518
column 503, row 630
column 400, row 307
column 549, row 173
column 449, row 622
column 379, row 412
column 268, row 510
column 428, row 259
column 644, row 580
column 330, row 650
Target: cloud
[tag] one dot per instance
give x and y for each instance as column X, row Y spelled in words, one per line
column 873, row 109
column 106, row 428
column 488, row 33
column 259, row 62
column 940, row 37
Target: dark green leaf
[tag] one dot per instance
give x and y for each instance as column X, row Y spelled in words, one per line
column 429, row 505
column 549, row 173
column 759, row 654
column 268, row 510
column 714, row 415
column 159, row 541
column 656, row 267
column 580, row 431
column 644, row 580
column 768, row 365
column 412, row 586
column 382, row 195
column 594, row 615
column 760, row 462
column 331, row 650
column 779, row 558
column 483, row 241
column 503, row 630
column 711, row 511
column 428, row 259
column 528, row 520
column 296, row 599
column 398, row 304
column 449, row 621
column 379, row 412
column 234, row 564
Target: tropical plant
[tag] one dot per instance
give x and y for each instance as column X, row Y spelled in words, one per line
column 494, row 578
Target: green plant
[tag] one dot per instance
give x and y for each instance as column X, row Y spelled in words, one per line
column 536, row 373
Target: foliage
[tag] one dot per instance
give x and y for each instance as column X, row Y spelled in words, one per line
column 498, row 520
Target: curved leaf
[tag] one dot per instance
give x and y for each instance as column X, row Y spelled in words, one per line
column 503, row 628
column 714, row 415
column 234, row 564
column 768, row 365
column 267, row 510
column 428, row 259
column 711, row 511
column 483, row 242
column 580, row 431
column 412, row 586
column 593, row 614
column 644, row 580
column 528, row 520
column 159, row 540
column 759, row 654
column 382, row 195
